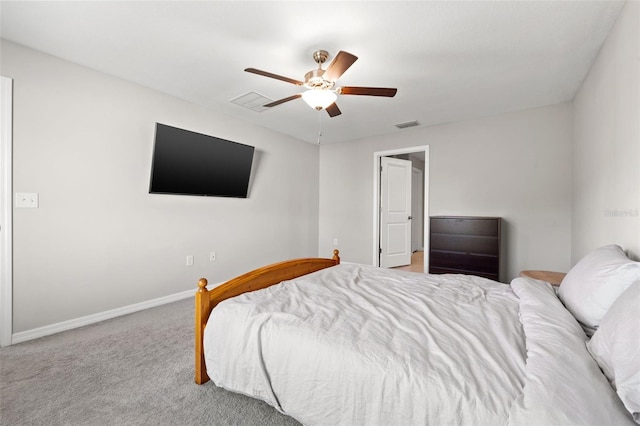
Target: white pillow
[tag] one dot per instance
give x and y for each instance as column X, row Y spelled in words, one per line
column 616, row 348
column 595, row 282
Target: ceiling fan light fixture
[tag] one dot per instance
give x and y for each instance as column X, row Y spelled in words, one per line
column 319, row 98
column 320, row 93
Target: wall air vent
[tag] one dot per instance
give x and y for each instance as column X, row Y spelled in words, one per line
column 408, row 124
column 252, row 101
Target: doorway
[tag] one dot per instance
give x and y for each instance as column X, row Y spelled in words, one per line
column 420, row 156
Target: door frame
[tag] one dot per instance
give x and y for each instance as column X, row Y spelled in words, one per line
column 417, row 189
column 6, row 211
column 376, row 199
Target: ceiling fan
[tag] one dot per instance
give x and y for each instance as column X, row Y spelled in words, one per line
column 320, row 83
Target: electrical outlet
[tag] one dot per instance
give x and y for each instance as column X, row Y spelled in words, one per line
column 335, row 242
column 27, row 200
column 212, row 256
column 189, row 260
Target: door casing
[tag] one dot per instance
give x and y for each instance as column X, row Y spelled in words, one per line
column 418, row 216
column 6, row 211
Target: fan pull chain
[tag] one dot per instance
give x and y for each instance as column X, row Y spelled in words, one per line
column 319, row 126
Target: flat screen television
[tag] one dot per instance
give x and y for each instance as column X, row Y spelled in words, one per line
column 190, row 163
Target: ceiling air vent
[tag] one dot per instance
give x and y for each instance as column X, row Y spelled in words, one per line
column 253, row 101
column 408, row 124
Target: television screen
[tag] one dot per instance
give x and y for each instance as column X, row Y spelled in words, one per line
column 190, row 163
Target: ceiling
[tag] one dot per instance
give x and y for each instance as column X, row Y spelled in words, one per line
column 450, row 60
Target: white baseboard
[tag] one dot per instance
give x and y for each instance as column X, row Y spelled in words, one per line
column 23, row 336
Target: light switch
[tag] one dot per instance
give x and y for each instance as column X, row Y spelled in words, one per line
column 27, row 200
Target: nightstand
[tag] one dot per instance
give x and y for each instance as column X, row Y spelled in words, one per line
column 553, row 278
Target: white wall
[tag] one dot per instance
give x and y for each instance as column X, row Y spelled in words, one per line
column 516, row 166
column 606, row 161
column 83, row 141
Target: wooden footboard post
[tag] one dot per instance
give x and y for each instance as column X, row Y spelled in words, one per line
column 201, row 313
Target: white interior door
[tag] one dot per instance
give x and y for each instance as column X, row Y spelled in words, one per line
column 395, row 212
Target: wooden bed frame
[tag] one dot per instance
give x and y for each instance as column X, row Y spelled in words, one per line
column 263, row 277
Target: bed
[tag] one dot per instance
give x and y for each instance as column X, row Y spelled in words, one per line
column 330, row 343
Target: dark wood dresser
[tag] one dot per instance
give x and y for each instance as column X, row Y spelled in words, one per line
column 465, row 245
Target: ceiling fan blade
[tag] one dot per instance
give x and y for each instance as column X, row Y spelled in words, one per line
column 333, row 110
column 368, row 91
column 281, row 101
column 276, row 76
column 339, row 65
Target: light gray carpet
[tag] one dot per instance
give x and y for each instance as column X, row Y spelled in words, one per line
column 132, row 370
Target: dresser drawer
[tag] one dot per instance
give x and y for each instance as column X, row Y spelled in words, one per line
column 465, row 243
column 465, row 226
column 467, row 262
column 488, row 275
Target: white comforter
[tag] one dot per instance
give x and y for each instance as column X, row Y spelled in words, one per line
column 358, row 345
